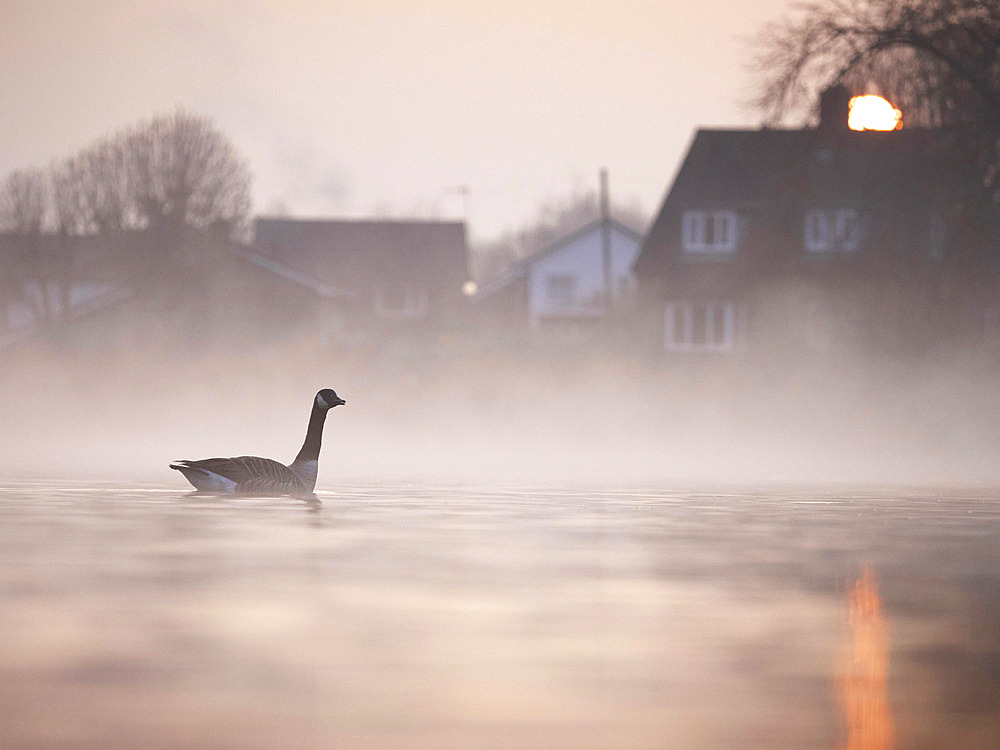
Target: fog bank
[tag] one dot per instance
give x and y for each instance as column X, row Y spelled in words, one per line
column 486, row 416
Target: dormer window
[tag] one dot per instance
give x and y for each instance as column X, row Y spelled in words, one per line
column 832, row 230
column 709, row 232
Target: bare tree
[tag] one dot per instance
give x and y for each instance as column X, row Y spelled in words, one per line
column 939, row 59
column 155, row 196
column 71, row 219
column 24, row 206
column 182, row 172
column 23, row 202
column 97, row 188
column 88, row 199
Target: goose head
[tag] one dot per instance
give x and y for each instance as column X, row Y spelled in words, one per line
column 327, row 399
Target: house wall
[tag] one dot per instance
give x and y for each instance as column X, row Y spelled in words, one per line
column 582, row 262
column 846, row 243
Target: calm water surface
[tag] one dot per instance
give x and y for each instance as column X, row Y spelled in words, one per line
column 426, row 617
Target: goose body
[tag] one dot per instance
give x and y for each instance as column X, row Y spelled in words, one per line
column 253, row 475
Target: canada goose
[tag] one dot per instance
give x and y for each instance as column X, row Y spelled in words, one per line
column 252, row 475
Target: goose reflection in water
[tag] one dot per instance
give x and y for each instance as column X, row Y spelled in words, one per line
column 862, row 676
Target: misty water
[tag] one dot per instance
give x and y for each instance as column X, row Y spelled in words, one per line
column 422, row 616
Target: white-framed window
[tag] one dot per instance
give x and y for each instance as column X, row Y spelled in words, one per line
column 560, row 289
column 400, row 303
column 709, row 231
column 832, row 230
column 699, row 326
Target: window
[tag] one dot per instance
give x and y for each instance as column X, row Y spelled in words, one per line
column 700, row 326
column 399, row 303
column 560, row 289
column 832, row 230
column 709, row 231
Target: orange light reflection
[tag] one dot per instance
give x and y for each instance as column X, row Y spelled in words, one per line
column 863, row 674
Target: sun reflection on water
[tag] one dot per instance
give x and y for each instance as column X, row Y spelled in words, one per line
column 862, row 676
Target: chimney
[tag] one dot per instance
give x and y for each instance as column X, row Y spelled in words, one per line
column 834, row 104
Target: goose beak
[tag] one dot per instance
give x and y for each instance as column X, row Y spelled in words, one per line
column 339, row 402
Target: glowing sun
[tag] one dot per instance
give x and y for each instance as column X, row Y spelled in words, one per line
column 870, row 112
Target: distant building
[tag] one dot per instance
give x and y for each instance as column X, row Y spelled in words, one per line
column 50, row 282
column 371, row 280
column 798, row 241
column 380, row 284
column 25, row 316
column 561, row 294
column 120, row 293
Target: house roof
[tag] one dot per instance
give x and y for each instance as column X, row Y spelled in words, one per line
column 519, row 270
column 781, row 173
column 750, row 166
column 301, row 279
column 347, row 254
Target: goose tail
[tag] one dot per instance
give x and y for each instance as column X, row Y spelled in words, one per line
column 203, row 479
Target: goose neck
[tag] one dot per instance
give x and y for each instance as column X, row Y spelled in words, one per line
column 314, row 436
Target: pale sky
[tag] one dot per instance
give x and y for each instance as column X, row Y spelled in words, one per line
column 380, row 108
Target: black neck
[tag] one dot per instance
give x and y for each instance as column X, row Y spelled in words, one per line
column 314, row 436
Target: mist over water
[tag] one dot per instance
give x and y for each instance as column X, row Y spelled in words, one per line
column 483, row 414
column 584, row 548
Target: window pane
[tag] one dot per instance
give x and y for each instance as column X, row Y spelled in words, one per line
column 718, row 331
column 699, row 327
column 677, row 325
column 815, row 231
column 720, row 224
column 694, row 230
column 848, row 229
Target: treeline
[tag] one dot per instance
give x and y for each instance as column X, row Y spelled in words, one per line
column 141, row 195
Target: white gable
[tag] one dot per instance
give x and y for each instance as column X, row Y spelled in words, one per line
column 568, row 281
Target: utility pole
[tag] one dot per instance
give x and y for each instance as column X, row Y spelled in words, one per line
column 606, row 244
column 464, row 191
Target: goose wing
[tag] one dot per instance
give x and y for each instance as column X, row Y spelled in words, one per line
column 247, row 474
column 234, row 469
column 264, row 475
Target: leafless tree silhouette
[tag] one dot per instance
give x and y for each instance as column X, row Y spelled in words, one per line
column 26, row 267
column 938, row 60
column 181, row 171
column 154, row 196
